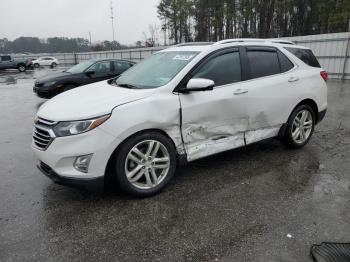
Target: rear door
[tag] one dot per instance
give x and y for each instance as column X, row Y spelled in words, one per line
column 270, row 91
column 214, row 121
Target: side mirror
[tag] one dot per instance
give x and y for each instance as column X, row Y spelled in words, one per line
column 199, row 84
column 89, row 73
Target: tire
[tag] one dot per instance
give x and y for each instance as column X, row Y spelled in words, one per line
column 297, row 139
column 53, row 65
column 21, row 68
column 36, row 65
column 150, row 176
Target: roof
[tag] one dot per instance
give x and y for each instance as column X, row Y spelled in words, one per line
column 202, row 46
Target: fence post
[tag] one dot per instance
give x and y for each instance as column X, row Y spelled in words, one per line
column 346, row 55
column 75, row 58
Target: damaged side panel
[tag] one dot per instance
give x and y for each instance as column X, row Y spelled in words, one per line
column 212, row 122
column 161, row 112
column 252, row 136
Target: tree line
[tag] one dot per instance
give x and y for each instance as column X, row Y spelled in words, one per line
column 55, row 45
column 213, row 20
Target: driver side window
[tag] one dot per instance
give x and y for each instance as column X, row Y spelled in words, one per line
column 101, row 68
column 223, row 69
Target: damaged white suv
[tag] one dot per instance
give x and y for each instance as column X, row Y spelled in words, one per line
column 181, row 104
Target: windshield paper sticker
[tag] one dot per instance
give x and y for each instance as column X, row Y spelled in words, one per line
column 183, row 57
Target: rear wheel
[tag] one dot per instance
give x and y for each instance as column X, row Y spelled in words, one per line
column 53, row 65
column 145, row 164
column 21, row 68
column 300, row 127
column 36, row 65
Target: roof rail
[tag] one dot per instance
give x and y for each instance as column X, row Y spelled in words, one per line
column 194, row 43
column 237, row 40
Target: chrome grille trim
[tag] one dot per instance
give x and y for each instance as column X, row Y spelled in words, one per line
column 43, row 134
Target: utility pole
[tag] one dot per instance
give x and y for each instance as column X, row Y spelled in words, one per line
column 112, row 18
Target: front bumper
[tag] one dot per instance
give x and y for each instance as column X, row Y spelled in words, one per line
column 47, row 93
column 91, row 184
column 59, row 157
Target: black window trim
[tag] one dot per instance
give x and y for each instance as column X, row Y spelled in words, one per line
column 266, row 49
column 209, row 56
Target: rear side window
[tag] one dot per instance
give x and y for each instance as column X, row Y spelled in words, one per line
column 121, row 66
column 304, row 55
column 262, row 62
column 285, row 63
column 223, row 69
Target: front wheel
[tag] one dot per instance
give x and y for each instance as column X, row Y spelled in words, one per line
column 53, row 65
column 36, row 65
column 145, row 164
column 300, row 127
column 21, row 68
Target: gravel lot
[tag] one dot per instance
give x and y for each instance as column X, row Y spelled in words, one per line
column 260, row 203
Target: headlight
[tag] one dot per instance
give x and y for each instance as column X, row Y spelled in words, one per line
column 50, row 83
column 78, row 127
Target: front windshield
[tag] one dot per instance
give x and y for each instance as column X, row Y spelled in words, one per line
column 156, row 70
column 79, row 68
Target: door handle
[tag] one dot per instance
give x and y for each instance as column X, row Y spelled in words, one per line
column 240, row 91
column 293, row 79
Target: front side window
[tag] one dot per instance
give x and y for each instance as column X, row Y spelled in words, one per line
column 223, row 69
column 263, row 62
column 101, row 67
column 157, row 70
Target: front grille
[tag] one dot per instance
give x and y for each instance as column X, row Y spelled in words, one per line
column 42, row 133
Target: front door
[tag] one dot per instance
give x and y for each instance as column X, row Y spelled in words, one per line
column 102, row 71
column 215, row 121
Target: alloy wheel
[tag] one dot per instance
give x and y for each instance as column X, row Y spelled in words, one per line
column 147, row 164
column 302, row 126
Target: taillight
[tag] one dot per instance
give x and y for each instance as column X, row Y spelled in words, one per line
column 324, row 75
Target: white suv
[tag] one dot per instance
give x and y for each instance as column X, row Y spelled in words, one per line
column 181, row 104
column 45, row 61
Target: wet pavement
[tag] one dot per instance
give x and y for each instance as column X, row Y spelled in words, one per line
column 260, row 203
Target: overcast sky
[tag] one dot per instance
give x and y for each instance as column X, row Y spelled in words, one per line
column 75, row 18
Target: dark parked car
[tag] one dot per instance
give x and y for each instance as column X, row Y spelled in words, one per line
column 8, row 62
column 81, row 74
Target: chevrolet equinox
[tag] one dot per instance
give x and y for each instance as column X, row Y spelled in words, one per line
column 180, row 104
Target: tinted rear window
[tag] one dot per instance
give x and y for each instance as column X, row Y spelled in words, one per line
column 263, row 63
column 304, row 55
column 285, row 63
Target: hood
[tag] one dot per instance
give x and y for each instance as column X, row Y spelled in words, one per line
column 89, row 101
column 52, row 77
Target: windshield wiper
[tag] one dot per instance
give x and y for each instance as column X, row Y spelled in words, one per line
column 127, row 86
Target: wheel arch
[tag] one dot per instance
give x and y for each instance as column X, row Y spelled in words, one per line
column 310, row 102
column 109, row 167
